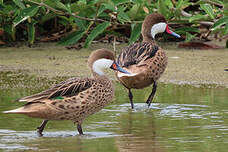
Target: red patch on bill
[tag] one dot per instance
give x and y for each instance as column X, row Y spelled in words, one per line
column 168, row 30
column 114, row 66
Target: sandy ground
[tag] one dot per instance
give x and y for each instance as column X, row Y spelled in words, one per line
column 195, row 67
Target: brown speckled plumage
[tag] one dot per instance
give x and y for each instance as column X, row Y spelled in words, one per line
column 73, row 99
column 146, row 59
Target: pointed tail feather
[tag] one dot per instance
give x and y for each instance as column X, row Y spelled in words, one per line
column 18, row 110
column 37, row 109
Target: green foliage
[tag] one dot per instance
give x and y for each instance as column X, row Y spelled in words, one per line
column 25, row 14
column 87, row 19
column 95, row 32
column 220, row 22
column 135, row 32
column 208, row 9
column 72, row 38
column 163, row 8
column 31, row 32
column 19, row 3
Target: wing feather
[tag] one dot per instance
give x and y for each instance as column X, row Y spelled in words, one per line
column 136, row 53
column 68, row 88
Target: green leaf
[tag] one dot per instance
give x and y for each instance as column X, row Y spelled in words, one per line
column 101, row 10
column 123, row 17
column 226, row 28
column 57, row 5
column 47, row 17
column 162, row 8
column 25, row 14
column 135, row 32
column 19, row 4
column 179, row 4
column 189, row 37
column 31, row 32
column 134, row 11
column 220, row 22
column 63, row 20
column 72, row 38
column 95, row 32
column 109, row 6
column 10, row 30
column 81, row 24
column 118, row 2
column 169, row 3
column 187, row 29
column 197, row 17
column 218, row 1
column 208, row 9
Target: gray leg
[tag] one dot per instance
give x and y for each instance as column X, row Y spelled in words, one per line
column 130, row 95
column 150, row 98
column 41, row 128
column 79, row 127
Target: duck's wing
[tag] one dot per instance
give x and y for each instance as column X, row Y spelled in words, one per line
column 68, row 88
column 137, row 53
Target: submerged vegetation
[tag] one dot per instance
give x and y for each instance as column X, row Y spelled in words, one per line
column 72, row 21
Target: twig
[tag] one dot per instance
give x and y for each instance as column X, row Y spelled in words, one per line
column 183, row 13
column 206, row 23
column 114, row 44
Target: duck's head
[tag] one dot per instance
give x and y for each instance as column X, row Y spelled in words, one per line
column 153, row 24
column 101, row 59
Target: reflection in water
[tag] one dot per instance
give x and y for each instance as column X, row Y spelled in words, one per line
column 184, row 118
column 139, row 130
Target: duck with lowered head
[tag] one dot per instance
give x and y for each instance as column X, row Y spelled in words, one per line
column 146, row 60
column 76, row 98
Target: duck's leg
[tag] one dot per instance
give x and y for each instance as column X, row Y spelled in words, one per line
column 150, row 98
column 130, row 95
column 79, row 127
column 41, row 127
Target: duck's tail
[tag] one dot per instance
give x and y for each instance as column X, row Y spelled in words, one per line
column 16, row 111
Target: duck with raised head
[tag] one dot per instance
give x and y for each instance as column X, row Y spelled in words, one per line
column 75, row 98
column 146, row 60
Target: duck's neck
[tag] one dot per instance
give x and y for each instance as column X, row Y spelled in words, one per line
column 149, row 40
column 147, row 37
column 100, row 78
column 95, row 75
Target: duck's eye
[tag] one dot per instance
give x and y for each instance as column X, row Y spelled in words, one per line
column 107, row 57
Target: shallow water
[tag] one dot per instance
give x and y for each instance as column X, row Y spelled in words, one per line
column 183, row 118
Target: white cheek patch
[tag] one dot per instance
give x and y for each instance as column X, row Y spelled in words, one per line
column 100, row 64
column 158, row 28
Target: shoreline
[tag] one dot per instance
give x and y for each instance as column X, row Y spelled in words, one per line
column 191, row 67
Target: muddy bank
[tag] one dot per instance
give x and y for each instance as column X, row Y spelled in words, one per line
column 194, row 67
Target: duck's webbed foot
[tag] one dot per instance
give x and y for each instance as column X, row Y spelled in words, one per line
column 151, row 96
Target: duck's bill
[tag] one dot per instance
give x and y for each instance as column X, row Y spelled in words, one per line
column 116, row 67
column 123, row 71
column 171, row 32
